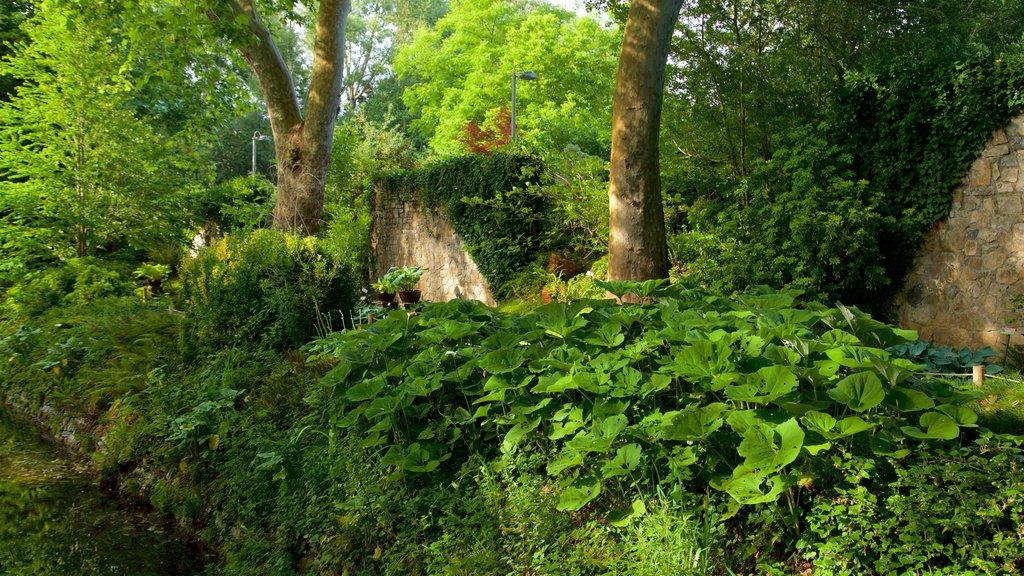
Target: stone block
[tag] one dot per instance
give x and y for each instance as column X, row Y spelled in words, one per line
column 1008, row 275
column 971, row 248
column 997, row 150
column 981, row 173
column 999, row 137
column 1009, row 174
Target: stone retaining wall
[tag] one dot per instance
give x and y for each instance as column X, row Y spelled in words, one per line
column 966, row 273
column 405, row 233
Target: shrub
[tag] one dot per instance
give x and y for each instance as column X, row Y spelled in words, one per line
column 271, row 289
column 78, row 281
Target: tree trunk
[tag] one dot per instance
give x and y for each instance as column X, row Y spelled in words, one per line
column 636, row 244
column 302, row 146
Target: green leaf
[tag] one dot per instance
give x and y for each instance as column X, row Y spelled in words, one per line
column 964, row 417
column 502, row 361
column 627, row 459
column 566, row 459
column 908, row 399
column 764, row 386
column 365, row 390
column 769, row 448
column 579, row 493
column 517, row 432
column 861, row 391
column 692, row 423
column 934, row 426
column 655, row 383
column 622, row 518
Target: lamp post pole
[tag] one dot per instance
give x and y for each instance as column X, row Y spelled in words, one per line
column 528, row 75
column 256, row 136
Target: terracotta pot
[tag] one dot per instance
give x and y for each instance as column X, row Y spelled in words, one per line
column 409, row 296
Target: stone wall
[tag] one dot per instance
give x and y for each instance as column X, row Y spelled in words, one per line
column 964, row 276
column 405, row 233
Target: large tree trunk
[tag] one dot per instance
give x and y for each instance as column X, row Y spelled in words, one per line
column 302, row 146
column 636, row 244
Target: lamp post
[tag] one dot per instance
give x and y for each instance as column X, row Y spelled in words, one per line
column 256, row 136
column 528, row 75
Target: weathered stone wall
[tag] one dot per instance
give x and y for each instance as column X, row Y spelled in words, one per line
column 964, row 276
column 405, row 233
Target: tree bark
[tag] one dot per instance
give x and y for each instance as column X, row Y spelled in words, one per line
column 636, row 244
column 302, row 145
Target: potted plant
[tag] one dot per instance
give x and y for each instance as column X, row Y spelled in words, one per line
column 403, row 281
column 385, row 291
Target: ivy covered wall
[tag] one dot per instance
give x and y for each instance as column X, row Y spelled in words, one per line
column 472, row 221
column 961, row 286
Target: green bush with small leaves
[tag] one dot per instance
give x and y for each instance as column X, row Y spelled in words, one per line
column 270, row 289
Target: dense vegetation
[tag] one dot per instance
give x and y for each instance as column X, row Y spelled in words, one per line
column 227, row 373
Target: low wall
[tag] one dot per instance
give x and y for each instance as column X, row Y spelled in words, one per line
column 406, row 233
column 968, row 270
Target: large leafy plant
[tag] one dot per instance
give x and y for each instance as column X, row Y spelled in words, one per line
column 740, row 393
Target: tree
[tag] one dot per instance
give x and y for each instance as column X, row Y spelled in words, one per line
column 636, row 242
column 460, row 73
column 83, row 171
column 302, row 143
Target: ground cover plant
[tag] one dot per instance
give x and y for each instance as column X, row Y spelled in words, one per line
column 690, row 433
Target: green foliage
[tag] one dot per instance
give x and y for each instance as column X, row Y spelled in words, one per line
column 399, row 280
column 489, row 203
column 84, row 169
column 800, row 220
column 951, row 514
column 455, row 78
column 78, row 281
column 916, row 124
column 742, row 395
column 235, row 206
column 270, row 289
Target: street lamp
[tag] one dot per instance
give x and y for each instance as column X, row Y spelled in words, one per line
column 256, row 136
column 528, row 75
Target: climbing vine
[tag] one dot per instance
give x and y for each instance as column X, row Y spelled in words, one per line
column 490, row 203
column 915, row 126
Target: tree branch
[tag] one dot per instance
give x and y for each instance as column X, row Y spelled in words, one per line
column 275, row 81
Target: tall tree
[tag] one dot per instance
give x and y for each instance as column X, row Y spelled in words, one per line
column 302, row 142
column 636, row 242
column 461, row 72
column 84, row 171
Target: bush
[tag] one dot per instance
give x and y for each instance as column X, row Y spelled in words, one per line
column 78, row 281
column 270, row 289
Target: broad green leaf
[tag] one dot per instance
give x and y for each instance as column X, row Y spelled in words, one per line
column 934, row 426
column 365, row 390
column 850, row 426
column 861, row 391
column 502, row 361
column 771, row 448
column 566, row 459
column 622, row 518
column 579, row 493
column 609, row 335
column 517, row 432
column 386, row 405
column 856, row 356
column 655, row 383
column 420, row 459
column 746, row 485
column 964, row 417
column 627, row 459
column 764, row 386
column 820, row 422
column 909, row 400
column 692, row 423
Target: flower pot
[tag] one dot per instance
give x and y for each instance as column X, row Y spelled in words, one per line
column 409, row 296
column 387, row 299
